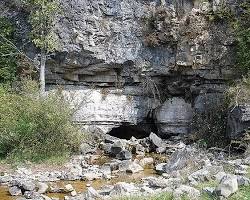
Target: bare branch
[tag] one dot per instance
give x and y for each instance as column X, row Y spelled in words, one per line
column 8, row 42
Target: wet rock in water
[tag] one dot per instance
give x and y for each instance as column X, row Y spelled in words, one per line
column 5, row 179
column 146, row 162
column 227, row 186
column 42, row 187
column 123, row 188
column 46, row 197
column 92, row 175
column 159, row 168
column 188, row 191
column 69, row 188
column 243, row 181
column 156, row 140
column 73, row 193
column 92, row 194
column 21, row 198
column 15, row 191
column 32, row 195
column 124, row 155
column 134, row 168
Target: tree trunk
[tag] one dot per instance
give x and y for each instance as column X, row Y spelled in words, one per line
column 42, row 72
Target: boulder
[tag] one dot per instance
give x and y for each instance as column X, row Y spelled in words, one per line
column 173, row 117
column 42, row 187
column 92, row 193
column 69, row 188
column 28, row 185
column 73, row 172
column 238, row 121
column 85, row 148
column 123, row 188
column 124, row 155
column 186, row 190
column 227, row 186
column 145, row 162
column 156, row 140
column 15, row 191
column 33, row 195
column 160, row 182
column 243, row 181
column 92, row 175
column 181, row 159
column 105, row 190
column 116, row 148
column 205, row 174
column 134, row 168
column 159, row 168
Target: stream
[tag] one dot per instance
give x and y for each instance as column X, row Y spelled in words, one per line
column 81, row 186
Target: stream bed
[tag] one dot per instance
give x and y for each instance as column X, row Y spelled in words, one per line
column 81, row 186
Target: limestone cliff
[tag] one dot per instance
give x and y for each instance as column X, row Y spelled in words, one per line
column 139, row 62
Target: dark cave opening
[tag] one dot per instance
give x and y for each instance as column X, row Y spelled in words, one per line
column 142, row 130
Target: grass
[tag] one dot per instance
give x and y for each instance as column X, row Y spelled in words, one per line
column 160, row 196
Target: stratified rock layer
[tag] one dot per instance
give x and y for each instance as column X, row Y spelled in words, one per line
column 123, row 58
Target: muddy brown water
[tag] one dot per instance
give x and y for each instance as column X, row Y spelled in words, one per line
column 81, row 186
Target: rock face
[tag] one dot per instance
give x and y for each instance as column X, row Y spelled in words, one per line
column 238, row 121
column 120, row 69
column 174, row 117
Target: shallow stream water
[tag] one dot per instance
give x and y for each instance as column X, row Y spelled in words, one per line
column 81, row 186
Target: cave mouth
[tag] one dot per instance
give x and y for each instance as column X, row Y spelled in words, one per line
column 126, row 131
column 140, row 131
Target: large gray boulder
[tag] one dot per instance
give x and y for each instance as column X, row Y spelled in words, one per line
column 238, row 121
column 174, row 117
column 227, row 186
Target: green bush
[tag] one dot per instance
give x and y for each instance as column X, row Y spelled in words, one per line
column 34, row 128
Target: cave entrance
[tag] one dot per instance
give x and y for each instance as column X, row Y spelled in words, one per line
column 126, row 130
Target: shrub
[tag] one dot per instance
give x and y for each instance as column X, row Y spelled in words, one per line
column 239, row 93
column 209, row 127
column 34, row 128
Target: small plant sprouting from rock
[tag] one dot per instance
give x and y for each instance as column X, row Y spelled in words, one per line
column 158, row 27
column 239, row 93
